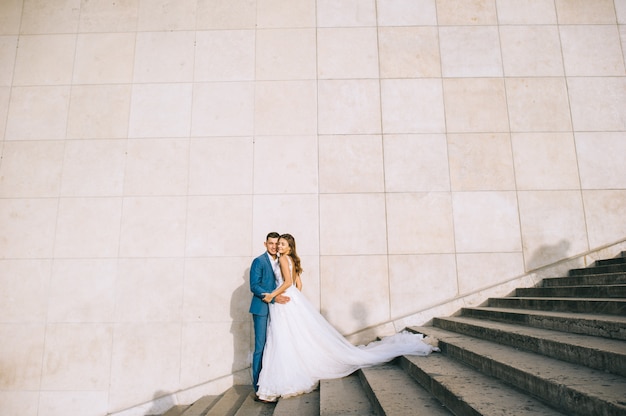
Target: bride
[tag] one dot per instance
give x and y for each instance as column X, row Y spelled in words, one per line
column 303, row 348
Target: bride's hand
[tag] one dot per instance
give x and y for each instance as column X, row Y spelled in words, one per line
column 267, row 298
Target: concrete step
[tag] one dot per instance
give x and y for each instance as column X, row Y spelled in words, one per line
column 605, row 291
column 393, row 392
column 201, row 406
column 574, row 305
column 607, row 262
column 586, row 280
column 230, row 402
column 303, row 405
column 344, row 396
column 606, row 326
column 609, row 268
column 597, row 353
column 177, row 410
column 249, row 407
column 571, row 388
column 466, row 391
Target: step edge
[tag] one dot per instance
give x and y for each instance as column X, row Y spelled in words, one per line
column 554, row 314
column 546, row 332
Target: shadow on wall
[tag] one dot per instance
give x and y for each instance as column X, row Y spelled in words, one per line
column 547, row 254
column 359, row 314
column 239, row 304
column 162, row 402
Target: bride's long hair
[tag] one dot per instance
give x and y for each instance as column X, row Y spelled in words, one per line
column 294, row 255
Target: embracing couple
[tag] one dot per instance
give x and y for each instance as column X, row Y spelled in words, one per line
column 294, row 346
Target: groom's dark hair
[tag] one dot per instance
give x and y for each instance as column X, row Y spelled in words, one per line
column 272, row 235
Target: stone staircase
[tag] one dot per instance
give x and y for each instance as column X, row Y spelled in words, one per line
column 558, row 349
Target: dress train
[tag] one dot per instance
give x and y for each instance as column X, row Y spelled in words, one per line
column 303, row 348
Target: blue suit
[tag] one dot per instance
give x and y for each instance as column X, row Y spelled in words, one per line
column 262, row 281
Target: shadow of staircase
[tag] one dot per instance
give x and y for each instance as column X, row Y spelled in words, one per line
column 557, row 349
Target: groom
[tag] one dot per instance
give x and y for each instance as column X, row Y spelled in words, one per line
column 262, row 281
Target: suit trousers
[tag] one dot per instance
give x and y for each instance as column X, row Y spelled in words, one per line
column 260, row 334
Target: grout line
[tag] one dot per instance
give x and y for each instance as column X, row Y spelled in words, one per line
column 509, row 134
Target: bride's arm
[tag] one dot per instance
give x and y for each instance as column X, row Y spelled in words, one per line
column 287, row 280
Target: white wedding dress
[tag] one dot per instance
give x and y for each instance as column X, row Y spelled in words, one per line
column 303, row 348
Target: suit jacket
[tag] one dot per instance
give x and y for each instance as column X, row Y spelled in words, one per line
column 262, row 281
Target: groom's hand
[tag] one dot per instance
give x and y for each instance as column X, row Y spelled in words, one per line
column 282, row 299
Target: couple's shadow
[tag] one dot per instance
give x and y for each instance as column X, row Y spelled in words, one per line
column 163, row 401
column 241, row 330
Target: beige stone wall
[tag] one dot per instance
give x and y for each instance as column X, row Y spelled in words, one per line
column 420, row 151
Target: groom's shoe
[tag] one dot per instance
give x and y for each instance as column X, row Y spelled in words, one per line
column 258, row 399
